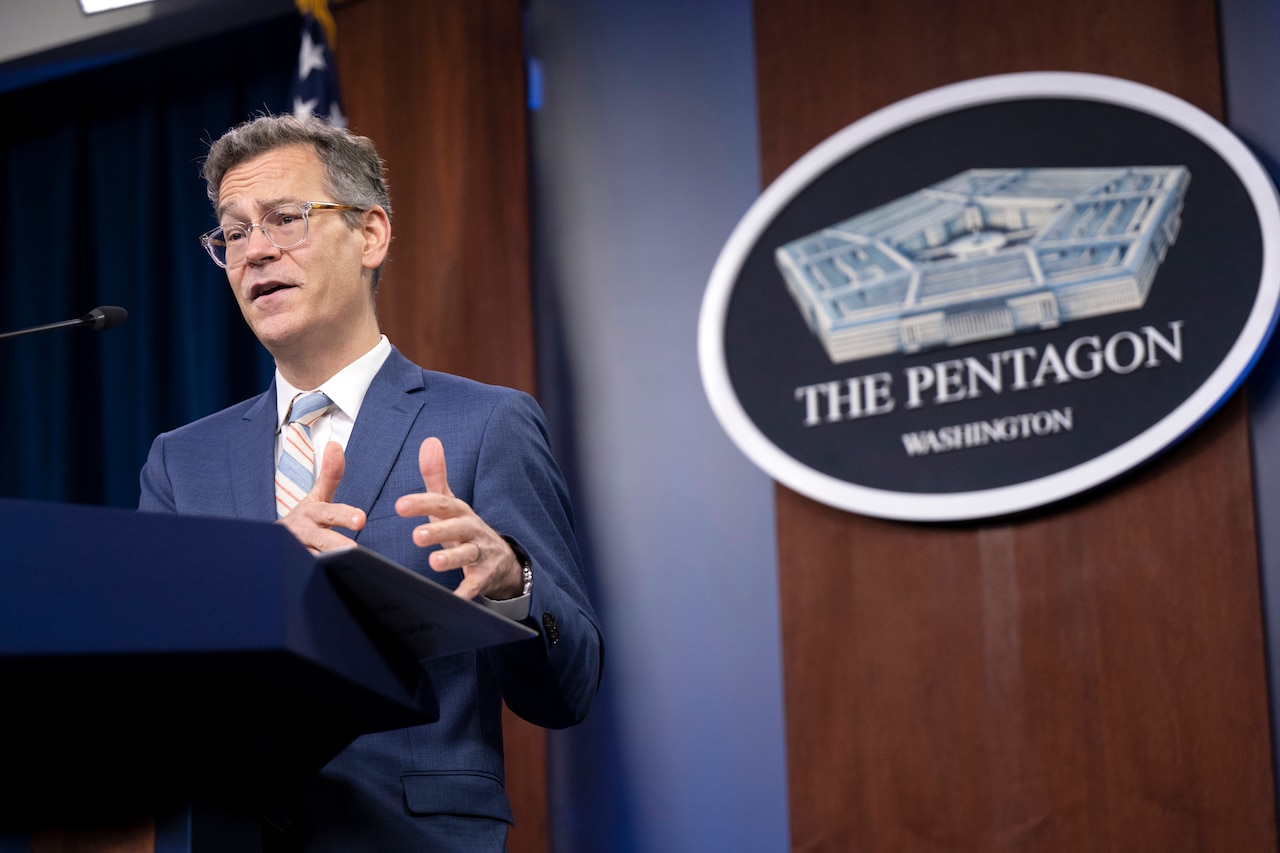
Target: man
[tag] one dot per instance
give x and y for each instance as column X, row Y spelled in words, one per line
column 305, row 225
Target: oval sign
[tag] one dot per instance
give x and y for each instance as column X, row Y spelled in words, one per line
column 991, row 296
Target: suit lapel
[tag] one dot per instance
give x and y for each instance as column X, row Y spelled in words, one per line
column 250, row 454
column 390, row 407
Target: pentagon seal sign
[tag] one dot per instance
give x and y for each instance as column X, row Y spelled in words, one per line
column 991, row 296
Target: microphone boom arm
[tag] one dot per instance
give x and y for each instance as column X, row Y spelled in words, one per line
column 103, row 317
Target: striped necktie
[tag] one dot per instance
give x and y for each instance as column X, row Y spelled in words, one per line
column 296, row 472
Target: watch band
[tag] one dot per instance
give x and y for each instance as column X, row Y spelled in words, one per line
column 526, row 564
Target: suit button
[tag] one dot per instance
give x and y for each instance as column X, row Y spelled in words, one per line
column 550, row 628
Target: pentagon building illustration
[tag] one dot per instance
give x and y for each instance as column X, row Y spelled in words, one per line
column 985, row 254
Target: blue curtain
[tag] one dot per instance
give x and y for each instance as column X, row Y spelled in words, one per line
column 103, row 205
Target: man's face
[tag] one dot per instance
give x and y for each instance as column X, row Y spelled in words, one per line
column 314, row 294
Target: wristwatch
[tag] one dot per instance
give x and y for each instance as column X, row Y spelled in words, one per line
column 526, row 564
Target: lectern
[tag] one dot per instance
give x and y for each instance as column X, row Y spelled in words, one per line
column 166, row 665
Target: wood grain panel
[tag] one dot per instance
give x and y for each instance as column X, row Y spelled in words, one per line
column 440, row 87
column 1087, row 677
column 822, row 64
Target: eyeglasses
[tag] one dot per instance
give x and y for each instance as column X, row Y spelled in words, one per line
column 285, row 227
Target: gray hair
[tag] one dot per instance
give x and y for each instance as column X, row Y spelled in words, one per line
column 353, row 172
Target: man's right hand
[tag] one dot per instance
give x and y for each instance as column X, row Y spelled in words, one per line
column 313, row 519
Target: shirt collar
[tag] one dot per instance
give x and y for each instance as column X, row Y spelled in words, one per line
column 346, row 388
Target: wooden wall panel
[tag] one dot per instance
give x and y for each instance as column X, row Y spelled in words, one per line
column 439, row 86
column 1088, row 677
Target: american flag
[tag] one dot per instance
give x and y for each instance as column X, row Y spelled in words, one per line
column 315, row 85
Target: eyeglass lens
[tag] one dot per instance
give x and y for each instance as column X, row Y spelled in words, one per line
column 285, row 227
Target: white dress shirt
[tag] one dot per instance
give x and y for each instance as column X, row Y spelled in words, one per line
column 346, row 389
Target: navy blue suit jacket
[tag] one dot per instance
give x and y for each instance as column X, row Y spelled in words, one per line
column 424, row 786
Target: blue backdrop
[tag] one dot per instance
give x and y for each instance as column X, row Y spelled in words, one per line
column 101, row 203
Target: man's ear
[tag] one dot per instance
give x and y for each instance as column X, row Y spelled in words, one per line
column 377, row 237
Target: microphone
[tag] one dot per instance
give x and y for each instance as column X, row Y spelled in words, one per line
column 102, row 317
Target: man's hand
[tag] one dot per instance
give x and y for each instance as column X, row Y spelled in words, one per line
column 313, row 519
column 489, row 566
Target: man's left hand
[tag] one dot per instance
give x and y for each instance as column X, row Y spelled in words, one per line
column 489, row 566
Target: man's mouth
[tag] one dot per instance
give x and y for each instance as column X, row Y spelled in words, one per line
column 266, row 289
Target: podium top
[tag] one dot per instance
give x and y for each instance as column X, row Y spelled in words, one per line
column 427, row 618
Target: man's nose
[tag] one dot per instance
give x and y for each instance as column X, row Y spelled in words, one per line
column 260, row 246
